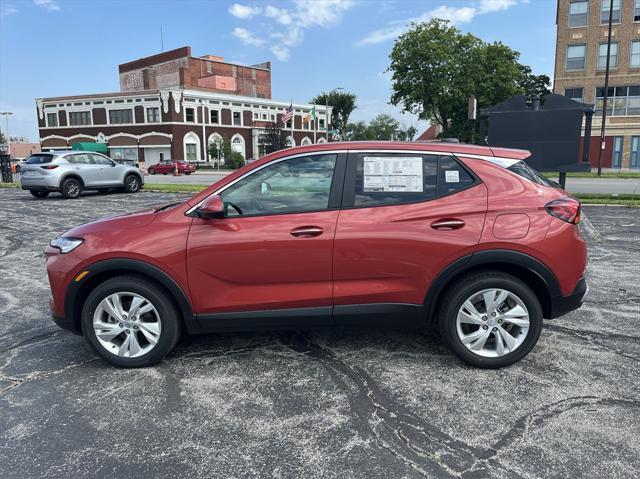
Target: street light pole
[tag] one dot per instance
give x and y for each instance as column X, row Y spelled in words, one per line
column 6, row 115
column 606, row 92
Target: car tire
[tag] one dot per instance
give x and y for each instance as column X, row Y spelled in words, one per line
column 39, row 193
column 132, row 184
column 485, row 337
column 71, row 188
column 151, row 171
column 187, row 173
column 102, row 337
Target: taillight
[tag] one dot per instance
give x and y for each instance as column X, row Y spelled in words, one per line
column 49, row 167
column 566, row 209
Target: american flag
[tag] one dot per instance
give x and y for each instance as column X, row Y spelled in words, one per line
column 288, row 114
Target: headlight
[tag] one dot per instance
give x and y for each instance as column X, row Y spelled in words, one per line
column 66, row 245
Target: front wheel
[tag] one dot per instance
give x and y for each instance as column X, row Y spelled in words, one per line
column 490, row 320
column 39, row 193
column 131, row 184
column 130, row 322
column 152, row 171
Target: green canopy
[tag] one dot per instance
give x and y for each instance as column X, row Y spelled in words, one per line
column 99, row 147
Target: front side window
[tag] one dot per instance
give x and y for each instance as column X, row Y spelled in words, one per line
column 602, row 56
column 118, row 117
column 52, row 119
column 576, row 57
column 578, row 13
column 574, row 93
column 79, row 118
column 153, row 115
column 296, row 185
column 392, row 179
column 604, row 11
column 101, row 160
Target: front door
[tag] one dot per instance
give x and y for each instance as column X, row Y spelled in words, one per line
column 405, row 217
column 273, row 250
column 108, row 172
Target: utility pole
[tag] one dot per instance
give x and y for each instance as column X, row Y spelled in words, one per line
column 606, row 92
column 6, row 115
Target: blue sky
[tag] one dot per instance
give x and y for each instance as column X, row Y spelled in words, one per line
column 58, row 47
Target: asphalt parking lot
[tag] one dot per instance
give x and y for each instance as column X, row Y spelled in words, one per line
column 359, row 403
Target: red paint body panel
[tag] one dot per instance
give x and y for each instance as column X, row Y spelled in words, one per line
column 386, row 254
column 391, row 254
column 165, row 168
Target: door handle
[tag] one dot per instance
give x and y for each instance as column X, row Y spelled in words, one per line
column 447, row 224
column 307, row 231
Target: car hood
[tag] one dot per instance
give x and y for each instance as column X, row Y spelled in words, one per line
column 134, row 219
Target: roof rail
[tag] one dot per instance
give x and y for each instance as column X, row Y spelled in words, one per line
column 441, row 140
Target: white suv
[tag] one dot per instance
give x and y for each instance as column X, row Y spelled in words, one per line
column 71, row 172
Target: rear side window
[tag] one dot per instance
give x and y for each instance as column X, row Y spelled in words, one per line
column 39, row 159
column 522, row 169
column 78, row 159
column 395, row 178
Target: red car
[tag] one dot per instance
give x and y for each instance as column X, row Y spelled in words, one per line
column 167, row 167
column 467, row 238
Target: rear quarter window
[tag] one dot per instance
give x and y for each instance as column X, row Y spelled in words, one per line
column 525, row 171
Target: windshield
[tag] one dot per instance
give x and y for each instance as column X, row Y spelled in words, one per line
column 522, row 169
column 39, row 159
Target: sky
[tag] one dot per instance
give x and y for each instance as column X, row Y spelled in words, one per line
column 59, row 47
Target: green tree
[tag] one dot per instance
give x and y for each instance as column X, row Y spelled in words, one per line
column 274, row 139
column 383, row 127
column 232, row 159
column 343, row 104
column 436, row 68
column 358, row 131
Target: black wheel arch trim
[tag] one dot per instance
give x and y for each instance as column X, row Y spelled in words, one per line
column 488, row 258
column 77, row 290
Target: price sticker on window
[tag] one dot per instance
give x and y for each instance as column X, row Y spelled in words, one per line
column 397, row 174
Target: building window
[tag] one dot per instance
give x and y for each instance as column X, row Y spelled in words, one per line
column 578, row 13
column 622, row 101
column 209, row 67
column 604, row 12
column 636, row 10
column 634, row 161
column 52, row 119
column 79, row 118
column 124, row 153
column 618, row 141
column 575, row 57
column 191, row 152
column 118, row 117
column 634, row 61
column 602, row 56
column 237, row 118
column 190, row 115
column 253, row 74
column 214, row 117
column 153, row 115
column 573, row 93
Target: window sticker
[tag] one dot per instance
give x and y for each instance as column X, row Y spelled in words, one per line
column 451, row 176
column 397, row 174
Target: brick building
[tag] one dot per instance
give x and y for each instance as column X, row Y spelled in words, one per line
column 172, row 105
column 581, row 54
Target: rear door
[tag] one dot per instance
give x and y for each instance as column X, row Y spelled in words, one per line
column 404, row 218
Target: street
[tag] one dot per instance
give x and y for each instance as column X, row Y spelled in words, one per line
column 574, row 185
column 375, row 403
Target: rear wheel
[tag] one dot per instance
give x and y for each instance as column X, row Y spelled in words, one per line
column 71, row 188
column 187, row 172
column 39, row 193
column 152, row 171
column 130, row 322
column 131, row 184
column 490, row 320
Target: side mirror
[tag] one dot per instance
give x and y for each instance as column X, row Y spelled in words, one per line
column 211, row 208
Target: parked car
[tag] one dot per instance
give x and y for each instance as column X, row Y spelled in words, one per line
column 466, row 238
column 71, row 172
column 168, row 166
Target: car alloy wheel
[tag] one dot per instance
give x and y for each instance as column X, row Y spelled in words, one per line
column 127, row 324
column 492, row 323
column 132, row 184
column 71, row 188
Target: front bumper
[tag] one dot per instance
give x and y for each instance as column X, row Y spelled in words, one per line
column 65, row 323
column 561, row 305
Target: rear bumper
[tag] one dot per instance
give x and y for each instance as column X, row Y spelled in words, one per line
column 561, row 305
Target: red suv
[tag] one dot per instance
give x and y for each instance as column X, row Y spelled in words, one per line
column 166, row 167
column 469, row 238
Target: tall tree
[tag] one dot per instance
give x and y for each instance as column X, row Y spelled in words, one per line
column 383, row 127
column 436, row 68
column 274, row 139
column 343, row 104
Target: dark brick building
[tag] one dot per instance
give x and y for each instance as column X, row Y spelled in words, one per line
column 172, row 105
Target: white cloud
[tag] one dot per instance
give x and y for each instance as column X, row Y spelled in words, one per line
column 243, row 11
column 446, row 12
column 8, row 10
column 50, row 5
column 302, row 15
column 247, row 37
